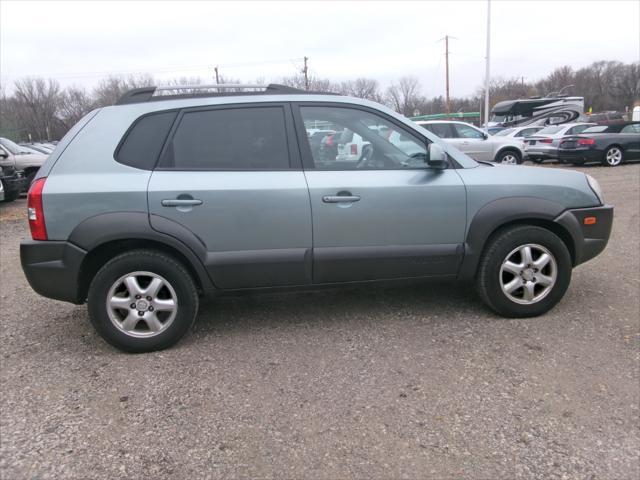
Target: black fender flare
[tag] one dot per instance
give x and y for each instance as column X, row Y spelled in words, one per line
column 108, row 227
column 499, row 213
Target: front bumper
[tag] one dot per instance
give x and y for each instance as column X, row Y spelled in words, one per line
column 52, row 269
column 14, row 184
column 589, row 239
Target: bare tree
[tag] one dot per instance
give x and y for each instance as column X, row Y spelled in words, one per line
column 109, row 90
column 75, row 103
column 367, row 88
column 405, row 96
column 36, row 103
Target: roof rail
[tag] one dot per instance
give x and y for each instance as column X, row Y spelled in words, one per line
column 147, row 94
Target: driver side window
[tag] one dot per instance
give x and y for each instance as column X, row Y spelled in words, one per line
column 355, row 139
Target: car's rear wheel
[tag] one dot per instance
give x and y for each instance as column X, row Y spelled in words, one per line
column 509, row 157
column 613, row 156
column 524, row 271
column 142, row 301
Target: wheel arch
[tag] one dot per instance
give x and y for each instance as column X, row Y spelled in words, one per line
column 504, row 213
column 509, row 148
column 107, row 235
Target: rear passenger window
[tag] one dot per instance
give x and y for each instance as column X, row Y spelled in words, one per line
column 230, row 139
column 143, row 143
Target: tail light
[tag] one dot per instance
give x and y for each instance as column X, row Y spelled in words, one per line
column 586, row 141
column 354, row 149
column 545, row 140
column 36, row 212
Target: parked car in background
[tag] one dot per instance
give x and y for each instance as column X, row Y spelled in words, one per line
column 29, row 163
column 477, row 144
column 518, row 132
column 230, row 197
column 1, row 192
column 543, row 145
column 610, row 145
column 605, row 118
column 12, row 181
column 37, row 148
column 316, row 137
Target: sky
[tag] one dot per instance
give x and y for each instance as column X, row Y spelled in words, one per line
column 78, row 43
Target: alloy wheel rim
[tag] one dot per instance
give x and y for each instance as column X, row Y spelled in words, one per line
column 614, row 156
column 142, row 304
column 509, row 159
column 528, row 274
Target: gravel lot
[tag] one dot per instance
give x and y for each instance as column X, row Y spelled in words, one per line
column 403, row 382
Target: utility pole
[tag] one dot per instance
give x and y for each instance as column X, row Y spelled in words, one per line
column 305, row 72
column 487, row 68
column 217, row 77
column 446, row 57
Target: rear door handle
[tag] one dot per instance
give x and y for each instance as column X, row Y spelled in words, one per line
column 175, row 202
column 340, row 198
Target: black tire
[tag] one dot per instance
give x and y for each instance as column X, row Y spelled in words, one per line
column 488, row 278
column 9, row 195
column 611, row 150
column 501, row 156
column 149, row 261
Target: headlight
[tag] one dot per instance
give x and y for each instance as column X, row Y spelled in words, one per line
column 595, row 186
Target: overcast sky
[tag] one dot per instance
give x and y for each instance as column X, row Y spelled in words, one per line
column 80, row 42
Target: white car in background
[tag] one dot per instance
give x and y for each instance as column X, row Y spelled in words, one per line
column 476, row 143
column 518, row 132
column 544, row 144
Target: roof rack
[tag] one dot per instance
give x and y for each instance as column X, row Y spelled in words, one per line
column 171, row 92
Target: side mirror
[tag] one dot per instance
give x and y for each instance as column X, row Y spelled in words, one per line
column 437, row 157
column 485, row 135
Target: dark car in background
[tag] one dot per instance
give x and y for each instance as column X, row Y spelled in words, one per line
column 610, row 145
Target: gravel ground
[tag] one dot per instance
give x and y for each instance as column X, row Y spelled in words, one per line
column 405, row 382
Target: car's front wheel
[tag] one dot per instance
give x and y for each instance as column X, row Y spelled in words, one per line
column 524, row 271
column 142, row 300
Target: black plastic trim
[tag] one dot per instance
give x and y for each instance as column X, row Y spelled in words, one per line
column 347, row 264
column 259, row 268
column 589, row 240
column 53, row 268
column 109, row 227
column 496, row 214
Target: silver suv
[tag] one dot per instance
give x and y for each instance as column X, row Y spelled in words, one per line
column 147, row 205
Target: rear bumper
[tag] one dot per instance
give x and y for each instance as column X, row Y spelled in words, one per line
column 579, row 155
column 589, row 240
column 53, row 268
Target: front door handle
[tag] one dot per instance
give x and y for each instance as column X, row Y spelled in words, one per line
column 340, row 198
column 181, row 202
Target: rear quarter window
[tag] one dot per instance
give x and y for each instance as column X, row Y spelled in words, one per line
column 143, row 142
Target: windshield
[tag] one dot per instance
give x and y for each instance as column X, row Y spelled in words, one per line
column 13, row 148
column 549, row 130
column 503, row 133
